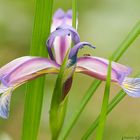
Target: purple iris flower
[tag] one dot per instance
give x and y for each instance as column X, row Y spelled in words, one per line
column 23, row 69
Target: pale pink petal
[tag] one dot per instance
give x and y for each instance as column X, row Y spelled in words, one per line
column 26, row 70
column 97, row 67
column 13, row 64
column 17, row 73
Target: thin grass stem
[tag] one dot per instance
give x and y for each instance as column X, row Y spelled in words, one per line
column 103, row 113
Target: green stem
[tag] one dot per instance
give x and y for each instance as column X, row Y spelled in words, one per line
column 103, row 113
column 34, row 94
column 58, row 104
column 74, row 13
column 90, row 92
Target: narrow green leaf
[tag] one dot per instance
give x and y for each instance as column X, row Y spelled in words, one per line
column 115, row 101
column 90, row 92
column 111, row 105
column 103, row 113
column 34, row 94
column 74, row 13
column 130, row 38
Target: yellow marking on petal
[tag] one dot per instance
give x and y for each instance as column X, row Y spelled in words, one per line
column 48, row 71
column 7, row 92
column 128, row 86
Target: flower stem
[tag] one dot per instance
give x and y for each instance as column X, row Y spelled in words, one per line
column 58, row 104
column 103, row 113
column 35, row 89
column 95, row 84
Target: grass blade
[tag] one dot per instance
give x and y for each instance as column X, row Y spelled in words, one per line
column 116, row 100
column 130, row 38
column 90, row 92
column 74, row 13
column 112, row 104
column 103, row 113
column 34, row 94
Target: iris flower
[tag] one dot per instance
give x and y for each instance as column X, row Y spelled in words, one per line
column 26, row 68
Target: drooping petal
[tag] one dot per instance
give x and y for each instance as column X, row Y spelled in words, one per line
column 17, row 73
column 5, row 103
column 97, row 67
column 29, row 69
column 61, row 43
column 131, row 86
column 13, row 64
column 75, row 49
column 62, row 32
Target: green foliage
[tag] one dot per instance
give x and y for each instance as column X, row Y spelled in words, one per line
column 79, row 110
column 96, row 83
column 35, row 89
column 111, row 105
column 115, row 101
column 74, row 13
column 105, row 101
column 58, row 104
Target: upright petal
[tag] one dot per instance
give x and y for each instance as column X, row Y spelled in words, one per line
column 17, row 73
column 60, row 17
column 97, row 67
column 61, row 32
column 61, row 44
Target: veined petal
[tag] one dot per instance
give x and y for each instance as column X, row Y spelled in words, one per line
column 13, row 64
column 61, row 34
column 17, row 73
column 131, row 86
column 5, row 103
column 60, row 17
column 28, row 70
column 61, row 43
column 97, row 67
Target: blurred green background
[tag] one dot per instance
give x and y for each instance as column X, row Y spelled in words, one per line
column 104, row 23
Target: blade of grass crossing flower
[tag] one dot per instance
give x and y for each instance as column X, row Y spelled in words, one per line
column 96, row 83
column 116, row 100
column 58, row 106
column 74, row 13
column 130, row 38
column 103, row 114
column 34, row 93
